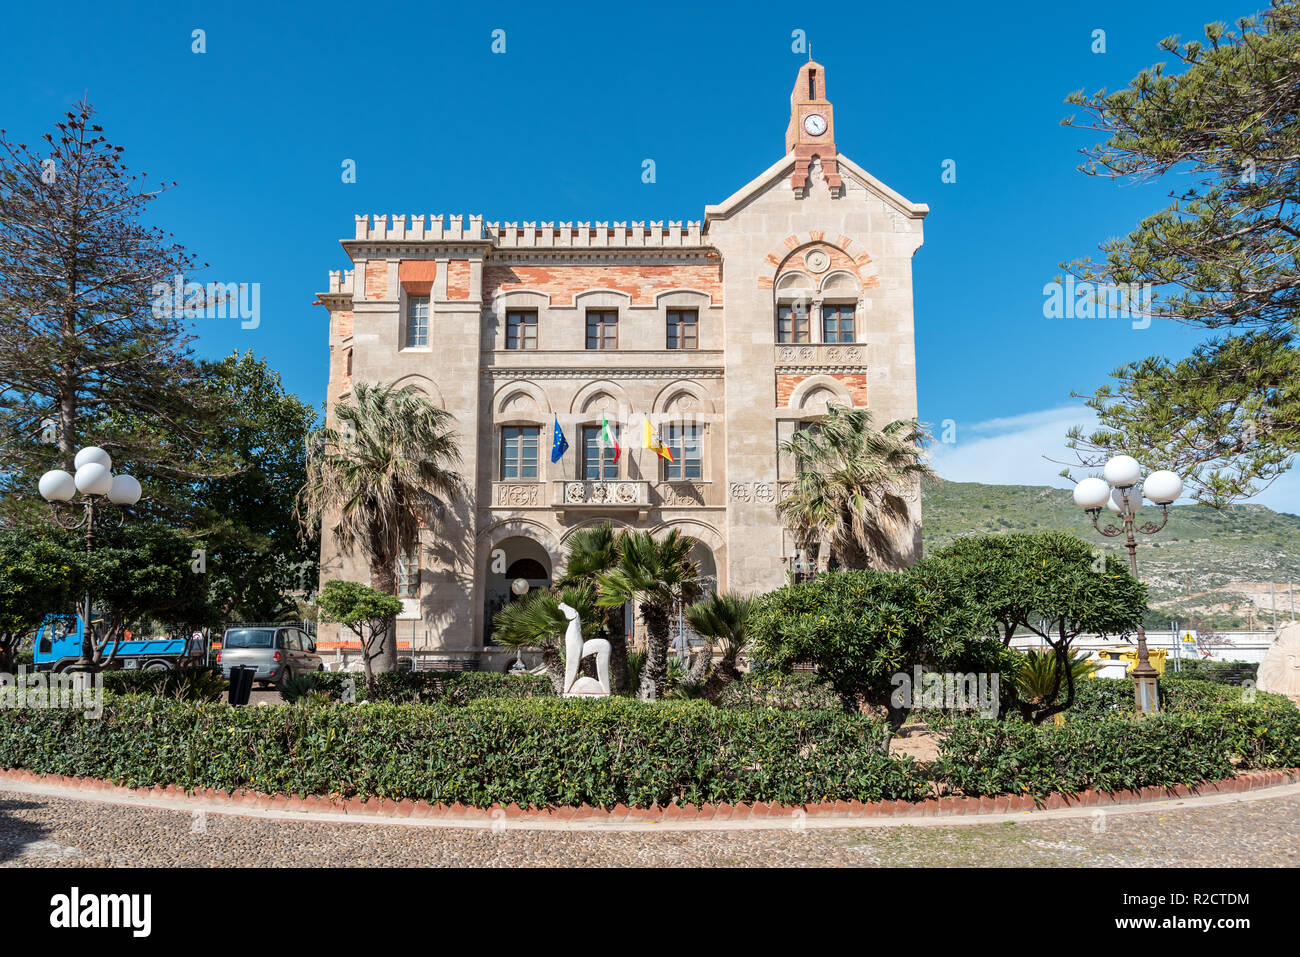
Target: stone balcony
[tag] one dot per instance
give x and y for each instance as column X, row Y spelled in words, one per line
column 613, row 495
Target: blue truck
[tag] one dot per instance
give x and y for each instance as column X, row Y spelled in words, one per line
column 59, row 640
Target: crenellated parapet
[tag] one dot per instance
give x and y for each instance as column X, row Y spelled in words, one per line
column 531, row 235
column 600, row 235
column 438, row 229
column 340, row 283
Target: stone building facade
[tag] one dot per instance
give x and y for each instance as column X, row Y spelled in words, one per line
column 727, row 333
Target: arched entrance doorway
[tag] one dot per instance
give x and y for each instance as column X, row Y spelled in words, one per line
column 683, row 636
column 511, row 559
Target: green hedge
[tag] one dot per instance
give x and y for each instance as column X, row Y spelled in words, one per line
column 1223, row 672
column 991, row 757
column 535, row 752
column 1096, row 699
column 1178, row 693
column 437, row 687
column 785, row 692
column 1099, row 698
column 136, row 681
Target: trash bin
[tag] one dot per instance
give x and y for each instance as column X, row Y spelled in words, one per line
column 241, row 684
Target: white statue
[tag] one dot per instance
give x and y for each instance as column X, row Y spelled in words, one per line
column 1279, row 672
column 575, row 649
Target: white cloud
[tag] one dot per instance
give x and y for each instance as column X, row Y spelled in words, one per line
column 1029, row 449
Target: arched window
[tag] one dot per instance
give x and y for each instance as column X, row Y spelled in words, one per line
column 794, row 298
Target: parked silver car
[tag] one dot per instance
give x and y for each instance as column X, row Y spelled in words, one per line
column 278, row 652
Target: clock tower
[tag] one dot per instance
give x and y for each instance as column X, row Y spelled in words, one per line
column 811, row 133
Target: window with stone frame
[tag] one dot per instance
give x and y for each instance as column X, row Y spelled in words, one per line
column 684, row 444
column 408, row 573
column 598, row 460
column 792, row 323
column 519, row 444
column 602, row 328
column 683, row 329
column 521, row 329
column 837, row 322
column 417, row 321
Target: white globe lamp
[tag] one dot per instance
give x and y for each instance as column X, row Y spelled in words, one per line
column 520, row 587
column 1116, row 502
column 93, row 479
column 93, row 453
column 1163, row 487
column 1123, row 471
column 1091, row 493
column 57, row 486
column 125, row 490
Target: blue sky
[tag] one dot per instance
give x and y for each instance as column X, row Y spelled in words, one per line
column 255, row 130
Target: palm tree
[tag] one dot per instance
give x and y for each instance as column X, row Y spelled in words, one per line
column 1040, row 679
column 593, row 551
column 852, row 485
column 536, row 621
column 656, row 574
column 385, row 472
column 723, row 620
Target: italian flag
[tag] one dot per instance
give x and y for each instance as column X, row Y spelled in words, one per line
column 608, row 438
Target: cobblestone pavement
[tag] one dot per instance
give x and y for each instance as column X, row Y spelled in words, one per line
column 41, row 831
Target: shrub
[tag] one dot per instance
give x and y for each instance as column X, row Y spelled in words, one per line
column 1181, row 746
column 785, row 692
column 152, row 682
column 1223, row 672
column 535, row 752
column 301, row 687
column 429, row 687
column 1193, row 694
column 980, row 756
column 1096, row 699
column 861, row 628
column 191, row 684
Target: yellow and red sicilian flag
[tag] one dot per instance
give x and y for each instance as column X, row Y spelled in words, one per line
column 608, row 438
column 652, row 441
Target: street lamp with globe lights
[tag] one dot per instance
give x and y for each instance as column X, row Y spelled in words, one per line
column 100, row 490
column 519, row 588
column 1119, row 492
column 104, row 496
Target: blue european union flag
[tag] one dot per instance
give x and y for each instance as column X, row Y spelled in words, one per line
column 559, row 444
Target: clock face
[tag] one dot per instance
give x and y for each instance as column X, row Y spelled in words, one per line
column 814, row 124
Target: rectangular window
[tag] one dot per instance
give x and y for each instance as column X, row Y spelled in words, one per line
column 602, row 328
column 417, row 321
column 683, row 442
column 597, row 461
column 683, row 329
column 408, row 574
column 792, row 323
column 519, row 451
column 521, row 330
column 837, row 323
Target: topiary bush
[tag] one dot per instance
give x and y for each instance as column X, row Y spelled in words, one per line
column 545, row 751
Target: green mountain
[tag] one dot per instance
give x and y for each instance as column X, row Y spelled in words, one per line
column 1209, row 563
